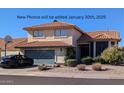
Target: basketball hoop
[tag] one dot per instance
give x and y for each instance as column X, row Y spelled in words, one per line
column 7, row 40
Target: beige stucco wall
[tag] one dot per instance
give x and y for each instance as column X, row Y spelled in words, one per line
column 49, row 36
column 75, row 36
column 60, row 55
column 9, row 53
column 2, row 53
column 71, row 39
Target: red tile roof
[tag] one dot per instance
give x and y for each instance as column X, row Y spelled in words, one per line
column 88, row 36
column 2, row 43
column 99, row 35
column 11, row 46
column 53, row 25
column 43, row 44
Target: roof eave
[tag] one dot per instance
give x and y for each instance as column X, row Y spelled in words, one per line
column 40, row 46
column 80, row 41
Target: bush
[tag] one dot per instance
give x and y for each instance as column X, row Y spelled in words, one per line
column 42, row 67
column 112, row 55
column 122, row 50
column 99, row 59
column 87, row 60
column 81, row 67
column 71, row 62
column 97, row 67
column 70, row 54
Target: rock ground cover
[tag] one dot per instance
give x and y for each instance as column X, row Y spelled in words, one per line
column 111, row 72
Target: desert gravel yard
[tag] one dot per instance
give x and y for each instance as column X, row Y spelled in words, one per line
column 110, row 72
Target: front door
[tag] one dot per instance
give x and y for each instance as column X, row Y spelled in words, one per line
column 85, row 50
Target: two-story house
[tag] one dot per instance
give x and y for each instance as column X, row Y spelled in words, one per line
column 47, row 43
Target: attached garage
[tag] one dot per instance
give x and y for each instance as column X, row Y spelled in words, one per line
column 41, row 56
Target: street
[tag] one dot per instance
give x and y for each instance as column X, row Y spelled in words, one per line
column 32, row 80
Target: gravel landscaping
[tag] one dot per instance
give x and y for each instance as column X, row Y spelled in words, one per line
column 108, row 72
column 106, row 69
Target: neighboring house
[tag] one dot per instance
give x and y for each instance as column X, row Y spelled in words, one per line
column 49, row 42
column 11, row 50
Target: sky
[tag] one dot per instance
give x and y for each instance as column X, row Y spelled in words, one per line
column 12, row 20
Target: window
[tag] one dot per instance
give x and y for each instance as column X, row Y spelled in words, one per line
column 38, row 34
column 100, row 47
column 60, row 33
column 63, row 33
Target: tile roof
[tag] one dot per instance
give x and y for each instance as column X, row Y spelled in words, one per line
column 42, row 44
column 53, row 25
column 87, row 36
column 11, row 46
column 2, row 43
column 99, row 35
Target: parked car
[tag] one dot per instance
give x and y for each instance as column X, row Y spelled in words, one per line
column 16, row 61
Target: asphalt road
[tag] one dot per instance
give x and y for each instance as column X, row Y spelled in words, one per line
column 32, row 80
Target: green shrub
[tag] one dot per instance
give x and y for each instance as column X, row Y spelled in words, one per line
column 71, row 62
column 87, row 60
column 122, row 50
column 113, row 55
column 70, row 54
column 99, row 59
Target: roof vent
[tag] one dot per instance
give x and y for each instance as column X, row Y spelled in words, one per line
column 55, row 21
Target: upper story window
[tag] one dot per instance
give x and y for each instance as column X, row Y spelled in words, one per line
column 60, row 33
column 38, row 34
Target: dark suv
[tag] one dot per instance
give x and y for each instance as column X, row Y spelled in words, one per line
column 16, row 61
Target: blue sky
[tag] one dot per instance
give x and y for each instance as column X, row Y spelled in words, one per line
column 11, row 25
